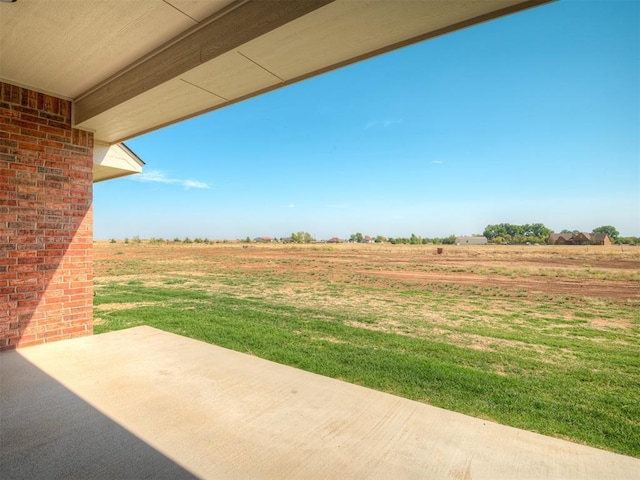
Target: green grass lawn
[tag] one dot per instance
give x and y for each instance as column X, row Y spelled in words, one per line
column 536, row 362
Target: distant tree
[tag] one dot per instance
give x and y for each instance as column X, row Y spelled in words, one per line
column 301, row 237
column 628, row 240
column 509, row 233
column 609, row 230
column 450, row 240
column 380, row 239
column 356, row 238
column 493, row 231
column 415, row 240
column 539, row 230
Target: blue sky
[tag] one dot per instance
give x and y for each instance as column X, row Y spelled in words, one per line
column 534, row 117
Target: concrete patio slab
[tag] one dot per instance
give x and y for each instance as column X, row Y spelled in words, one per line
column 142, row 403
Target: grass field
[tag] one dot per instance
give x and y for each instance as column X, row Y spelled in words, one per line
column 541, row 338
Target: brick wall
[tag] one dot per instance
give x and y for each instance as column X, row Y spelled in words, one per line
column 46, row 228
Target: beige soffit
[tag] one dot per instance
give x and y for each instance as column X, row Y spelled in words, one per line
column 66, row 47
column 113, row 161
column 132, row 66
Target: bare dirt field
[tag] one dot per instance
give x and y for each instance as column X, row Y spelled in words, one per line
column 608, row 273
column 537, row 337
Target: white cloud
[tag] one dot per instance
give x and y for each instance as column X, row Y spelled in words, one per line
column 194, row 184
column 381, row 124
column 292, row 206
column 437, row 162
column 155, row 176
column 151, row 176
column 388, row 123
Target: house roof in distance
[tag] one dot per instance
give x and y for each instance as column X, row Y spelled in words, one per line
column 471, row 240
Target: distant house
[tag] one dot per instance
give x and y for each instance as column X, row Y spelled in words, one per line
column 471, row 241
column 335, row 240
column 263, row 239
column 560, row 239
column 580, row 238
column 601, row 239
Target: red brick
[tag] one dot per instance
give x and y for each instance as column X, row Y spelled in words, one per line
column 45, row 220
column 27, row 341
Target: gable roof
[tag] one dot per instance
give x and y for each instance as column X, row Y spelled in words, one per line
column 572, row 237
column 113, row 161
column 599, row 237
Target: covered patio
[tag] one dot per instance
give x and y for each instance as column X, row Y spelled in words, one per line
column 79, row 78
column 142, row 403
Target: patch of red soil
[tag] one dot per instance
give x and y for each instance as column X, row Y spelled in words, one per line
column 604, row 289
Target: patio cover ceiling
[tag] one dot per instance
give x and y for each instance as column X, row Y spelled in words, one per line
column 132, row 66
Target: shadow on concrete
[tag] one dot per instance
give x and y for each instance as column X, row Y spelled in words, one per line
column 46, row 431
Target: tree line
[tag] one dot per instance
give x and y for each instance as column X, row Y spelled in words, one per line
column 507, row 233
column 499, row 234
column 412, row 240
